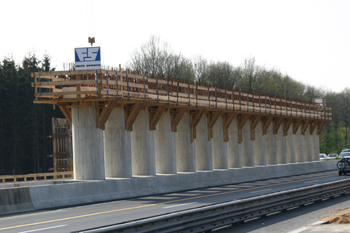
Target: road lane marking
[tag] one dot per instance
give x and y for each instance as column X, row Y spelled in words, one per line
column 42, row 229
column 261, row 191
column 167, row 207
column 167, row 202
column 313, row 181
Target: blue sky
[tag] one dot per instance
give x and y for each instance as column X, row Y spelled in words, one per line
column 308, row 40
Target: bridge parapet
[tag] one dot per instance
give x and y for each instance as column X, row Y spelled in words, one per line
column 87, row 86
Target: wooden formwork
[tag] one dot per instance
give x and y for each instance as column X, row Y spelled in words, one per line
column 111, row 89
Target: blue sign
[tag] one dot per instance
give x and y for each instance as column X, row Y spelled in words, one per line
column 88, row 58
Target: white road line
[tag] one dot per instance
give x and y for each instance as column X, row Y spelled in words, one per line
column 312, row 181
column 179, row 205
column 299, row 230
column 306, row 228
column 261, row 191
column 42, row 229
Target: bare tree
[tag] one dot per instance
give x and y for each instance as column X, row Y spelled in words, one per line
column 155, row 59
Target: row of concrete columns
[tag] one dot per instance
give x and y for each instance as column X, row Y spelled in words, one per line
column 119, row 153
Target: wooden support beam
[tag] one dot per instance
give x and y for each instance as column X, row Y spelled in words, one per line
column 320, row 126
column 277, row 124
column 242, row 119
column 266, row 123
column 227, row 118
column 296, row 125
column 287, row 123
column 254, row 120
column 195, row 117
column 212, row 118
column 313, row 125
column 176, row 115
column 104, row 113
column 80, row 105
column 131, row 112
column 155, row 114
column 67, row 113
column 304, row 126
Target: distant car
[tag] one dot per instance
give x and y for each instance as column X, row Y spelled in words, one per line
column 344, row 153
column 345, row 150
column 332, row 156
column 344, row 165
column 323, row 156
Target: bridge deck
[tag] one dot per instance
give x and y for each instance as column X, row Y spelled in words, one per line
column 111, row 89
column 83, row 87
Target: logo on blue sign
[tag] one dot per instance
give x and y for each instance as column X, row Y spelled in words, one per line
column 87, row 54
column 88, row 58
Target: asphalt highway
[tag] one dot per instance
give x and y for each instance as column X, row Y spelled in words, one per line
column 108, row 213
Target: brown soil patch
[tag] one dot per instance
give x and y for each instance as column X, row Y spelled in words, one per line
column 339, row 217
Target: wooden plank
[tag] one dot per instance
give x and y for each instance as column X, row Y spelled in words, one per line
column 131, row 111
column 242, row 119
column 304, row 126
column 228, row 118
column 195, row 117
column 277, row 124
column 266, row 123
column 313, row 125
column 254, row 120
column 296, row 125
column 155, row 115
column 65, row 83
column 107, row 110
column 176, row 115
column 80, row 105
column 287, row 123
column 320, row 126
column 67, row 113
column 212, row 118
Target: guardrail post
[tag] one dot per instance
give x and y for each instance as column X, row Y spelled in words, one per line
column 39, row 87
column 96, row 84
column 209, row 95
column 107, row 85
column 127, row 83
column 144, row 86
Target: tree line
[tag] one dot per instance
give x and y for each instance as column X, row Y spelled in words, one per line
column 24, row 126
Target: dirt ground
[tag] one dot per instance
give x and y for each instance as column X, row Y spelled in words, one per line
column 341, row 216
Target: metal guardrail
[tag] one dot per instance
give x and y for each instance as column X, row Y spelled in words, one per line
column 35, row 176
column 204, row 219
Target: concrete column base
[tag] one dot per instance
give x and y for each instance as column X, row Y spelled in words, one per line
column 88, row 148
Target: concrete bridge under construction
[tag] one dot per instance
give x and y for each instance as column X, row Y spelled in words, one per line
column 128, row 125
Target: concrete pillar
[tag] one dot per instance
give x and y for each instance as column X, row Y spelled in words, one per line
column 291, row 156
column 299, row 145
column 271, row 146
column 308, row 145
column 142, row 146
column 87, row 145
column 315, row 146
column 203, row 147
column 165, row 146
column 260, row 146
column 185, row 149
column 117, row 146
column 247, row 147
column 234, row 149
column 281, row 147
column 219, row 146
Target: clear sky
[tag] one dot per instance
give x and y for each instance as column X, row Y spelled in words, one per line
column 307, row 39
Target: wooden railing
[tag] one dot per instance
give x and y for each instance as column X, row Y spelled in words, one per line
column 36, row 176
column 73, row 85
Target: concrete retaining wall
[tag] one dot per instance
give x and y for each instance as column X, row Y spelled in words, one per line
column 14, row 200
